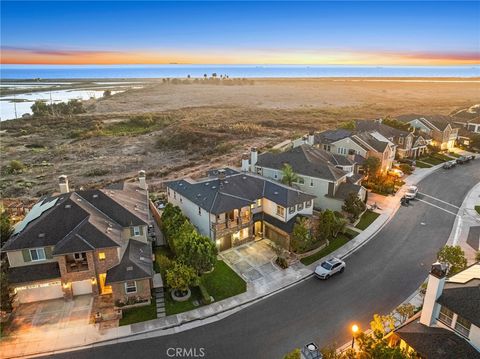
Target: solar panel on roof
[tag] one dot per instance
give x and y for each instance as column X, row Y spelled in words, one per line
column 34, row 213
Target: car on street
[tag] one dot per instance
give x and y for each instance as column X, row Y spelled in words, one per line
column 462, row 159
column 471, row 157
column 411, row 192
column 449, row 164
column 396, row 172
column 330, row 267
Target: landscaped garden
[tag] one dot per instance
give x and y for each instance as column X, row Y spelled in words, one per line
column 366, row 219
column 192, row 274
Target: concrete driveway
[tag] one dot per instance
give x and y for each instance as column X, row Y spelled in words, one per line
column 51, row 315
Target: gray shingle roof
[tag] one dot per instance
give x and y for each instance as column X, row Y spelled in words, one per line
column 345, row 189
column 33, row 273
column 136, row 263
column 463, row 300
column 331, row 136
column 433, row 342
column 365, row 137
column 236, row 191
column 308, row 161
column 384, row 130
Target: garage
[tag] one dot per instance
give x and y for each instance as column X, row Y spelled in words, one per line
column 38, row 292
column 82, row 287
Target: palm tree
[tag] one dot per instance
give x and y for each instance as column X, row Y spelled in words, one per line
column 288, row 175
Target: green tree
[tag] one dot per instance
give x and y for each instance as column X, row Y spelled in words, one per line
column 7, row 296
column 382, row 324
column 454, row 256
column 339, row 225
column 40, row 108
column 371, row 166
column 405, row 311
column 326, row 226
column 301, row 238
column 288, row 175
column 6, row 228
column 354, row 206
column 172, row 221
column 181, row 276
column 196, row 251
column 374, row 346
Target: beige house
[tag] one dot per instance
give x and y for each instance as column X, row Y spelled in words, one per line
column 84, row 242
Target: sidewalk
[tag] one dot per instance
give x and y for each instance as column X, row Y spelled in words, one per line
column 88, row 336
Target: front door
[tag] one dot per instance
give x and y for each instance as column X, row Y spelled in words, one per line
column 105, row 289
column 258, row 229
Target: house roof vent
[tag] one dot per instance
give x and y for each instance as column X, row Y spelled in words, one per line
column 129, row 268
column 96, row 195
column 68, row 206
column 41, row 235
column 213, row 187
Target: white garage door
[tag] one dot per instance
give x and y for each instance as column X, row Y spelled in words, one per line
column 37, row 292
column 82, row 287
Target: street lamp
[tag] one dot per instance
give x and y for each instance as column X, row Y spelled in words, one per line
column 354, row 331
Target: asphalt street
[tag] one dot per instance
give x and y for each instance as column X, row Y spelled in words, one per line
column 378, row 277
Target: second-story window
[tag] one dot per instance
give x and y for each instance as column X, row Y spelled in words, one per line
column 299, row 207
column 308, row 204
column 37, row 254
column 400, row 140
column 280, row 211
column 259, row 202
column 301, row 180
column 275, row 175
column 445, row 316
column 291, row 209
column 199, row 211
column 463, row 326
column 136, row 231
column 311, row 182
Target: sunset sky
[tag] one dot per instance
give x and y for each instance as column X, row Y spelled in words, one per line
column 351, row 33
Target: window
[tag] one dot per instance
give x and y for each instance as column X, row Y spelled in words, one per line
column 130, row 287
column 174, row 195
column 311, row 182
column 280, row 211
column 445, row 316
column 400, row 140
column 259, row 202
column 301, row 180
column 259, row 170
column 136, row 231
column 326, row 148
column 342, row 150
column 308, row 204
column 181, row 200
column 299, row 207
column 463, row 326
column 168, row 192
column 199, row 211
column 291, row 209
column 37, row 254
column 101, row 256
column 275, row 175
column 80, row 256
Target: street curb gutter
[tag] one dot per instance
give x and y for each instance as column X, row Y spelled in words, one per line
column 233, row 310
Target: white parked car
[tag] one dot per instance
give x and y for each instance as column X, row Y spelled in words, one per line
column 329, row 268
column 411, row 192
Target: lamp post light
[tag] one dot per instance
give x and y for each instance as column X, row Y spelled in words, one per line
column 354, row 331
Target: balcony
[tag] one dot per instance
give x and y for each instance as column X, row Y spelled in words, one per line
column 76, row 262
column 232, row 224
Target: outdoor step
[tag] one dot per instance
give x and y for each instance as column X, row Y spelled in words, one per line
column 160, row 301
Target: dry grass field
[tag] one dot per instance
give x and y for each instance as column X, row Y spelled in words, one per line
column 193, row 127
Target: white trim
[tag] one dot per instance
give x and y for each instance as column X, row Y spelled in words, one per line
column 38, row 257
column 126, row 287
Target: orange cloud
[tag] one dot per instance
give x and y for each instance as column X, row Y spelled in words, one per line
column 12, row 55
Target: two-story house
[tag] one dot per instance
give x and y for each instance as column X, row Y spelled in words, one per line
column 233, row 208
column 363, row 144
column 439, row 128
column 449, row 324
column 328, row 176
column 84, row 242
column 408, row 144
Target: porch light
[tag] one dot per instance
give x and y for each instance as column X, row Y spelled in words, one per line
column 66, row 285
column 94, row 280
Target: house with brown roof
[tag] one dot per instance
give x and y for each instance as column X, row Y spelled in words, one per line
column 448, row 327
column 84, row 242
column 441, row 128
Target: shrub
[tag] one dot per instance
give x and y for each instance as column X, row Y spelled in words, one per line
column 180, row 277
column 163, row 264
column 206, row 298
column 406, row 168
column 16, row 166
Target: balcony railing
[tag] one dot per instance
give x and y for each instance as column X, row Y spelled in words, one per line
column 77, row 266
column 232, row 224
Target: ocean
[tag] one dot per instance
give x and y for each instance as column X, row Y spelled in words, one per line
column 25, row 72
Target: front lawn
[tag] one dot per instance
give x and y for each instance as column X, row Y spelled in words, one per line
column 366, row 219
column 453, row 154
column 477, row 208
column 334, row 245
column 222, row 283
column 139, row 314
column 420, row 164
column 441, row 157
column 432, row 160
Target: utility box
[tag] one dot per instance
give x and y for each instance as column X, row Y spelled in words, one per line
column 311, row 351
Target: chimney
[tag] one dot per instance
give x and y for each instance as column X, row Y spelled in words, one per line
column 63, row 184
column 221, row 174
column 142, row 180
column 436, row 282
column 305, row 139
column 311, row 138
column 351, row 155
column 253, row 158
column 245, row 162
